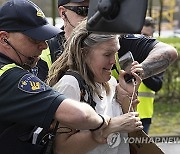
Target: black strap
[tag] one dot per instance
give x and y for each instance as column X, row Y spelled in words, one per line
column 100, row 124
column 84, row 88
column 56, row 46
column 115, row 67
column 49, row 146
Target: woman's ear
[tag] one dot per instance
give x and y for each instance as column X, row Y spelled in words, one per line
column 62, row 12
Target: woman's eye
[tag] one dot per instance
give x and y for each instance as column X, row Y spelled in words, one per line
column 108, row 54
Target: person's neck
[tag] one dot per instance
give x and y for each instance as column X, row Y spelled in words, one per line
column 6, row 57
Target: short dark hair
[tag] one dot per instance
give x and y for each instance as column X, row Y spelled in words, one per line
column 63, row 2
column 149, row 21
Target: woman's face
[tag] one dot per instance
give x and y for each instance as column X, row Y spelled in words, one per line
column 102, row 58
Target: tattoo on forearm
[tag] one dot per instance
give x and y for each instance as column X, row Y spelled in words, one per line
column 156, row 64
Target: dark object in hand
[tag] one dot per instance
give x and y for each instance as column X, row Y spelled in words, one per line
column 128, row 78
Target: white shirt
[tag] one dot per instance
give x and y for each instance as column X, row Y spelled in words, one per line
column 69, row 86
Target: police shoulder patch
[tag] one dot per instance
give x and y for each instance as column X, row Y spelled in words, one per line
column 31, row 84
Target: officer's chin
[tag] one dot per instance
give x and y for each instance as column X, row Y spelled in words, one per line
column 34, row 62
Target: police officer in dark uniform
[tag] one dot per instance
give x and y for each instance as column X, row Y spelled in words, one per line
column 78, row 10
column 26, row 102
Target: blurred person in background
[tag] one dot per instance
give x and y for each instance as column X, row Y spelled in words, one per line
column 148, row 27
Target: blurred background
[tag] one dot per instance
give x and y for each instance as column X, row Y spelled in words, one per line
column 166, row 13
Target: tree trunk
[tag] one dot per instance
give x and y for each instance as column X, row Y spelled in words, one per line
column 150, row 7
column 160, row 16
column 54, row 11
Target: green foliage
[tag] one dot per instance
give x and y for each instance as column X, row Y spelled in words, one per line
column 172, row 41
column 165, row 120
column 170, row 91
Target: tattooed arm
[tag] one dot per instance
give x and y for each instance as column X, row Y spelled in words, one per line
column 161, row 56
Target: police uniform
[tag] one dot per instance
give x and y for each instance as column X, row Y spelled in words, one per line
column 49, row 55
column 140, row 46
column 26, row 102
column 146, row 96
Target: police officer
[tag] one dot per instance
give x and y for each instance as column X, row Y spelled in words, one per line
column 25, row 100
column 148, row 27
column 149, row 86
column 71, row 16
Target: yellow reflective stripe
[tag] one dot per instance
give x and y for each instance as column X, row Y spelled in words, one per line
column 115, row 74
column 146, row 94
column 145, row 107
column 117, row 61
column 146, row 98
column 7, row 67
column 46, row 56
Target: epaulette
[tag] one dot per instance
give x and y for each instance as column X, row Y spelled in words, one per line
column 132, row 36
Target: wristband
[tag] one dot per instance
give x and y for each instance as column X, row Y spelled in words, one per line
column 100, row 125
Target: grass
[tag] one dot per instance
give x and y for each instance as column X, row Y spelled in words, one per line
column 166, row 119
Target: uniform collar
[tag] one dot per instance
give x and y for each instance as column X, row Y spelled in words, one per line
column 5, row 60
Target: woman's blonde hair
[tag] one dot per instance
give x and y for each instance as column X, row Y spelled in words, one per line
column 76, row 48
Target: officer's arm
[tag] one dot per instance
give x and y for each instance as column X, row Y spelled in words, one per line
column 155, row 82
column 161, row 56
column 79, row 115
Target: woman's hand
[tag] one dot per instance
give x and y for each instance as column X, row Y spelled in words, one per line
column 128, row 122
column 129, row 86
column 124, row 89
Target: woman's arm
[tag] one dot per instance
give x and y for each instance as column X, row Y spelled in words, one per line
column 79, row 142
column 128, row 122
column 74, row 142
